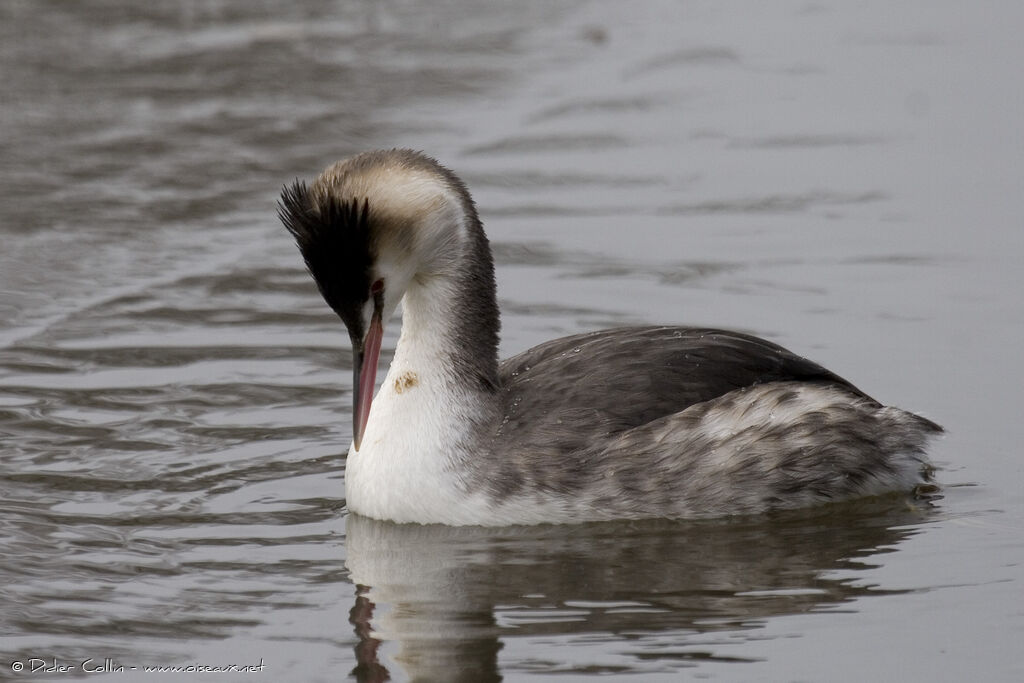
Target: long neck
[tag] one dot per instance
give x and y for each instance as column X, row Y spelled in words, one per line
column 454, row 317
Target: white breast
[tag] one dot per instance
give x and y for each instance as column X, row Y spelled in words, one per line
column 413, row 457
column 412, row 451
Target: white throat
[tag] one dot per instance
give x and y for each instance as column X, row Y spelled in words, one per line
column 420, row 422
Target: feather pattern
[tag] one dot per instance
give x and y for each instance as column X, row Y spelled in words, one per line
column 623, row 423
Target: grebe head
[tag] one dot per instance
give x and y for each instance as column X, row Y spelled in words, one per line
column 367, row 228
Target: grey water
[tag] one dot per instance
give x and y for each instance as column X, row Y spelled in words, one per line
column 842, row 178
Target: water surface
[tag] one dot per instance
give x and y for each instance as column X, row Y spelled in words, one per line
column 174, row 395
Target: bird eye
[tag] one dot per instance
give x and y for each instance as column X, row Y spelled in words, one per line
column 377, row 287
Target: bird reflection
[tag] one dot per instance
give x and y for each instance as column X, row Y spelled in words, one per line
column 435, row 602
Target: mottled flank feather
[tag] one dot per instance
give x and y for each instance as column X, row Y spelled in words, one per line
column 677, row 422
column 774, row 446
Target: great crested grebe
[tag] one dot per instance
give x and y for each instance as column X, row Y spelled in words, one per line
column 627, row 423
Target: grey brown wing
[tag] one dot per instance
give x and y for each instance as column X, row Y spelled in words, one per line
column 561, row 395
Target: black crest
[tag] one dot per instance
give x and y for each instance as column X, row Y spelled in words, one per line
column 333, row 236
